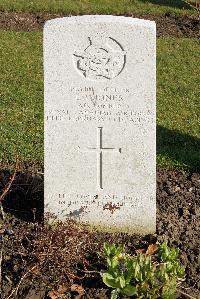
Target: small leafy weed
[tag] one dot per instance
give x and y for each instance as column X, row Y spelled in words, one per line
column 143, row 275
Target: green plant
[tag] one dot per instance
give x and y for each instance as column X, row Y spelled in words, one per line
column 142, row 276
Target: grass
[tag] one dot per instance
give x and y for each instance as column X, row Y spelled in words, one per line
column 21, row 105
column 98, row 6
column 21, row 92
column 178, row 105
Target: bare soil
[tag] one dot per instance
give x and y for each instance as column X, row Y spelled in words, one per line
column 39, row 261
column 167, row 24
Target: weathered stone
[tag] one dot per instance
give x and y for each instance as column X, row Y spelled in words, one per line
column 100, row 127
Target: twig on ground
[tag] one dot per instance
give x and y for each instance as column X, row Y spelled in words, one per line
column 195, row 283
column 34, row 214
column 6, row 190
column 40, row 172
column 8, row 279
column 7, row 187
column 15, row 291
column 186, row 295
column 87, row 271
column 193, row 6
column 2, row 211
column 74, row 276
column 2, row 245
column 1, row 259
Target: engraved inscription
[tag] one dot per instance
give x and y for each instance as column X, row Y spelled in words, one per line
column 103, row 59
column 103, row 115
column 99, row 151
column 103, row 104
column 89, row 199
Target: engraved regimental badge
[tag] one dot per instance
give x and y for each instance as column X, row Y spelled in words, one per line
column 102, row 59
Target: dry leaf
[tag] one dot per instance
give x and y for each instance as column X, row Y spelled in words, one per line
column 77, row 288
column 59, row 293
column 152, row 249
column 62, row 289
column 53, row 294
column 35, row 270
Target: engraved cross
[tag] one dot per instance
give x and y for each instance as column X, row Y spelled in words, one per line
column 99, row 149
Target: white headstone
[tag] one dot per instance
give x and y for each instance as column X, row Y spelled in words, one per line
column 99, row 74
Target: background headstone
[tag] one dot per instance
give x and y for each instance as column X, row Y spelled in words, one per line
column 99, row 74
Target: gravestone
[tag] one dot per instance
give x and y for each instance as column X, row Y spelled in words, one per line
column 99, row 88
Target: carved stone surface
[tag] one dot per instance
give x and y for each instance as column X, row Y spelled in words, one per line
column 104, row 58
column 99, row 86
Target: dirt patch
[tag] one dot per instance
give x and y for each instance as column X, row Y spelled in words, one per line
column 37, row 259
column 167, row 24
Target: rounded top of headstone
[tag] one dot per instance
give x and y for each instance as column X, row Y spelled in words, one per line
column 100, row 19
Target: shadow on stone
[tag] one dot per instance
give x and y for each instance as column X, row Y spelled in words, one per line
column 25, row 199
column 180, row 147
